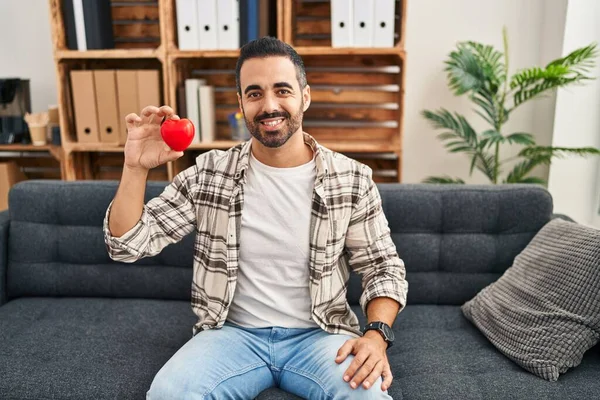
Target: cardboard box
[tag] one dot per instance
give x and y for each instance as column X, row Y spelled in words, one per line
column 10, row 174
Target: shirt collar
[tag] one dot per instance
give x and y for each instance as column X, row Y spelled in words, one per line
column 320, row 161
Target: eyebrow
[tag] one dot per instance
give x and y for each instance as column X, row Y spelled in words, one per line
column 277, row 85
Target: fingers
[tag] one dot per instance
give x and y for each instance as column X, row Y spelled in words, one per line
column 132, row 121
column 387, row 377
column 344, row 351
column 148, row 114
column 167, row 112
column 173, row 155
column 364, row 370
column 373, row 375
column 359, row 360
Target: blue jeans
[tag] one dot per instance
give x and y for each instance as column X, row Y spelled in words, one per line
column 238, row 363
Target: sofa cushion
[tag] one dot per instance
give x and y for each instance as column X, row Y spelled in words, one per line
column 440, row 355
column 457, row 239
column 544, row 312
column 87, row 348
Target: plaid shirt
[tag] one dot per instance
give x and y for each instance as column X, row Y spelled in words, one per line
column 348, row 231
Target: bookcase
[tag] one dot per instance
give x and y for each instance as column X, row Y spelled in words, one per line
column 357, row 93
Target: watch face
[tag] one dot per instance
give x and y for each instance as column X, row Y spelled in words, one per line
column 388, row 332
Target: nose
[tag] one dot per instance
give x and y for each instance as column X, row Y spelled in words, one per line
column 271, row 104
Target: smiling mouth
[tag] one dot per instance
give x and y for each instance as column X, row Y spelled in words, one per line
column 272, row 123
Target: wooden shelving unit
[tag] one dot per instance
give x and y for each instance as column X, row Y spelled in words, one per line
column 357, row 93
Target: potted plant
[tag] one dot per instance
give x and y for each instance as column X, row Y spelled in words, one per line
column 481, row 72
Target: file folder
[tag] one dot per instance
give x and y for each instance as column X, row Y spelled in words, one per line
column 127, row 95
column 148, row 84
column 192, row 107
column 228, row 23
column 341, row 23
column 84, row 104
column 107, row 104
column 187, row 24
column 79, row 25
column 207, row 24
column 384, row 20
column 363, row 23
column 206, row 95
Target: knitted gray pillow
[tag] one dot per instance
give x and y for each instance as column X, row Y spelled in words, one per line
column 544, row 311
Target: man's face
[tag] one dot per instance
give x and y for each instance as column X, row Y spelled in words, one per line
column 272, row 101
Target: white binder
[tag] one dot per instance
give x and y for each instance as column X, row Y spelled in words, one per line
column 192, row 106
column 79, row 25
column 207, row 24
column 228, row 24
column 363, row 23
column 187, row 25
column 341, row 23
column 383, row 27
column 206, row 96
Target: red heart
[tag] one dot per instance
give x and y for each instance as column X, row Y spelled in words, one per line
column 177, row 133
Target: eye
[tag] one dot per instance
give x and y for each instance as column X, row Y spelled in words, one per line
column 253, row 95
column 284, row 91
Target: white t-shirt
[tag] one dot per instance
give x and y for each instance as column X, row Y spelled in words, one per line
column 273, row 274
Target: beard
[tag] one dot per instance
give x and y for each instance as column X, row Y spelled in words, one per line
column 277, row 138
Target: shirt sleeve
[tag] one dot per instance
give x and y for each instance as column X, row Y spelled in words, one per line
column 372, row 252
column 165, row 219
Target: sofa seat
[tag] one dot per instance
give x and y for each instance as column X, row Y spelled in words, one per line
column 87, row 348
column 441, row 355
column 121, row 345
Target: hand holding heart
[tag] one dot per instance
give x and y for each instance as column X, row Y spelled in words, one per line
column 145, row 147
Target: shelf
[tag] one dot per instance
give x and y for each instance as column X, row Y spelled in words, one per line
column 347, row 147
column 27, row 147
column 339, row 51
column 106, row 54
column 178, row 54
column 303, row 51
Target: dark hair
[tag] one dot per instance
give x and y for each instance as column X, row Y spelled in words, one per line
column 268, row 47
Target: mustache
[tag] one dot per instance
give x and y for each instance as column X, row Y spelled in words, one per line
column 281, row 114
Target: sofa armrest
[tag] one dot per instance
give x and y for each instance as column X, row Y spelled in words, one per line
column 4, row 224
column 562, row 216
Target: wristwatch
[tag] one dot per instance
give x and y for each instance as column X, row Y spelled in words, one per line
column 383, row 328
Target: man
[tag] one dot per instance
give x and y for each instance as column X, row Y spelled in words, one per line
column 279, row 223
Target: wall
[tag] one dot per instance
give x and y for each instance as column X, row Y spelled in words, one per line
column 26, row 48
column 434, row 27
column 575, row 182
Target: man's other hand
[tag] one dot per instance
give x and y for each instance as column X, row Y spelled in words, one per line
column 370, row 361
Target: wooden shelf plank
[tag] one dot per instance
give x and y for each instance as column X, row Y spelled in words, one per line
column 178, row 54
column 346, row 147
column 341, row 51
column 26, row 147
column 106, row 54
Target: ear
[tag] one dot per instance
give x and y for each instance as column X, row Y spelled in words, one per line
column 306, row 97
column 239, row 98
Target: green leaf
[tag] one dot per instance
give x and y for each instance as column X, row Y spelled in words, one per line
column 520, row 170
column 491, row 61
column 532, row 179
column 532, row 82
column 485, row 163
column 491, row 137
column 443, row 180
column 547, row 153
column 580, row 60
column 462, row 134
column 525, row 139
column 465, row 74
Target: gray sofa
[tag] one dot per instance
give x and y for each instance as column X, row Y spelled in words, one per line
column 76, row 325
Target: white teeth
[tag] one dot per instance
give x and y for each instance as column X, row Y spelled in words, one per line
column 273, row 123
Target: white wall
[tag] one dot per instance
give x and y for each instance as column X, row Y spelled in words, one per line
column 433, row 29
column 575, row 182
column 26, row 48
